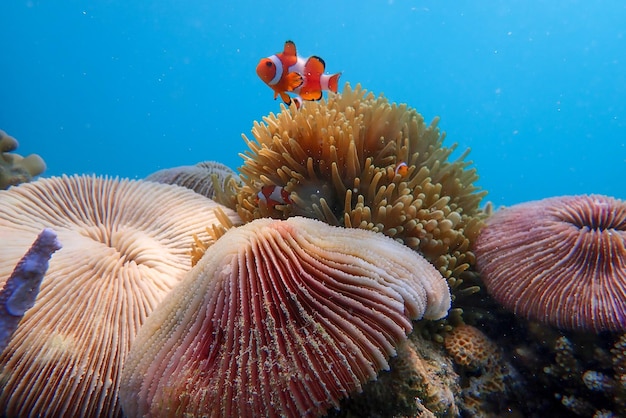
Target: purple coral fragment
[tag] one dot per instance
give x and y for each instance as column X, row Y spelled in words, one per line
column 21, row 289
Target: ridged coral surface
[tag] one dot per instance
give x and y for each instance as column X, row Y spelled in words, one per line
column 280, row 318
column 561, row 261
column 125, row 245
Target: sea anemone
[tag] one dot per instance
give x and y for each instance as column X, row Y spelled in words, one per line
column 279, row 318
column 125, row 245
column 358, row 161
column 561, row 261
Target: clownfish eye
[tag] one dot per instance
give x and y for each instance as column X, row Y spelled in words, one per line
column 269, row 64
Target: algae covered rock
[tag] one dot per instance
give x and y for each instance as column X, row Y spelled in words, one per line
column 15, row 169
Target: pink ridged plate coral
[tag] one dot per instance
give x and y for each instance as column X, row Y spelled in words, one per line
column 125, row 245
column 279, row 318
column 561, row 261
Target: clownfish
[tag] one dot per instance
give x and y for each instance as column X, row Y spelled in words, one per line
column 402, row 169
column 286, row 72
column 273, row 195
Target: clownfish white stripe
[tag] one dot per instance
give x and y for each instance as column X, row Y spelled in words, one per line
column 324, row 79
column 279, row 70
column 298, row 67
column 277, row 195
column 273, row 195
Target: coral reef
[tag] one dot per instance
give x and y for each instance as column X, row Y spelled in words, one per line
column 489, row 382
column 572, row 373
column 358, row 161
column 15, row 169
column 286, row 315
column 125, row 245
column 199, row 177
column 421, row 382
column 339, row 161
column 280, row 318
column 22, row 287
column 559, row 261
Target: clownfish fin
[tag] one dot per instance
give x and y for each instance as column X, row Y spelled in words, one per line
column 313, row 71
column 294, row 80
column 333, row 82
column 298, row 102
column 286, row 98
column 314, row 66
column 290, row 49
column 310, row 94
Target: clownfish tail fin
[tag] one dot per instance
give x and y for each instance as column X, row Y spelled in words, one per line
column 333, row 82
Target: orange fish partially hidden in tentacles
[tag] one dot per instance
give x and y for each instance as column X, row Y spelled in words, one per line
column 273, row 195
column 286, row 72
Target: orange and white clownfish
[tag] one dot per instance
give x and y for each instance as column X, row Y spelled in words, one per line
column 402, row 169
column 273, row 195
column 286, row 72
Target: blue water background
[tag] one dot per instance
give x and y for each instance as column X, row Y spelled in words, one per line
column 537, row 89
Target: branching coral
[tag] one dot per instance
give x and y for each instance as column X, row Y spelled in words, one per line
column 338, row 160
column 21, row 289
column 15, row 169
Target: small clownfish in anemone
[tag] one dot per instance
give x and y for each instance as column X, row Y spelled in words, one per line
column 401, row 169
column 273, row 195
column 286, row 72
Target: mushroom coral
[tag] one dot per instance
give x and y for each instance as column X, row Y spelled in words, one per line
column 279, row 318
column 561, row 261
column 341, row 161
column 15, row 169
column 125, row 245
column 198, row 178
